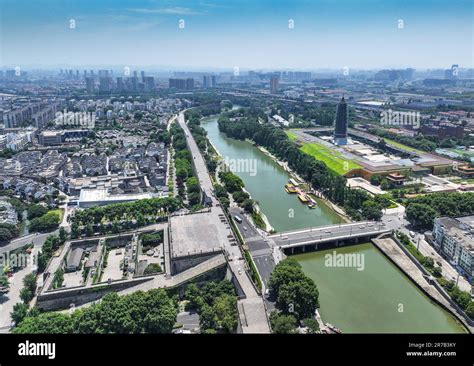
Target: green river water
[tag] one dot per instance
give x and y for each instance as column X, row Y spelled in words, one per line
column 378, row 299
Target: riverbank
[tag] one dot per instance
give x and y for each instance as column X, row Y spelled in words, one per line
column 395, row 254
column 339, row 210
column 268, row 226
column 375, row 298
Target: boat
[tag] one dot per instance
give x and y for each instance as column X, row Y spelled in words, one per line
column 312, row 205
column 333, row 329
column 289, row 188
column 303, row 198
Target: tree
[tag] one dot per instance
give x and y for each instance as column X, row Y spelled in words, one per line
column 140, row 312
column 282, row 324
column 371, row 210
column 247, row 205
column 75, row 230
column 4, row 282
column 36, row 211
column 470, row 310
column 29, row 281
column 26, row 295
column 295, row 293
column 20, row 310
column 207, row 318
column 62, row 235
column 299, row 298
column 47, row 222
column 312, row 325
column 5, row 234
column 421, row 215
column 225, row 310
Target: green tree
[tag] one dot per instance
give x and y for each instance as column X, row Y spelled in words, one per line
column 282, row 323
column 20, row 310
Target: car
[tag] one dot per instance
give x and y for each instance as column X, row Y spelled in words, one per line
column 412, row 234
column 245, row 228
column 327, row 231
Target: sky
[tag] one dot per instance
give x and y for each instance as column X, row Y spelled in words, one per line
column 249, row 34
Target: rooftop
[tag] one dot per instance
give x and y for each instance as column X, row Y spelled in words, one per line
column 198, row 233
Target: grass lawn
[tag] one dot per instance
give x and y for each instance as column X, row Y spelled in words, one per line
column 333, row 159
column 292, row 136
column 58, row 211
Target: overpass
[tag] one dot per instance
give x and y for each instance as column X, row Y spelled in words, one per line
column 335, row 234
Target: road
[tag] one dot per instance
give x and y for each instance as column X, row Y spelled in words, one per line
column 326, row 233
column 447, row 269
column 398, row 222
column 199, row 163
column 259, row 247
column 13, row 296
column 251, row 309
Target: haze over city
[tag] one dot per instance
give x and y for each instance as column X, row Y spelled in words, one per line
column 248, row 34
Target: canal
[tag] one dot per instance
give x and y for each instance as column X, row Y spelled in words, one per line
column 377, row 299
column 265, row 181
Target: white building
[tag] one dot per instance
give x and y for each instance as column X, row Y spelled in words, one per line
column 455, row 239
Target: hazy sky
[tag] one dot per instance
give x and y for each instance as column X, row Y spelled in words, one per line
column 243, row 33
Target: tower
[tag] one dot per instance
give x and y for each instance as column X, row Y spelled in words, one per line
column 340, row 124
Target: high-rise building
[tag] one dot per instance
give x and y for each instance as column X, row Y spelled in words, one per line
column 149, row 83
column 143, row 76
column 340, row 124
column 90, row 84
column 177, row 83
column 105, row 84
column 274, row 84
column 182, row 84
column 189, row 83
column 120, row 84
column 209, row 81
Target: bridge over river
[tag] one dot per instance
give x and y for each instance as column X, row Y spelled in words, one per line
column 357, row 232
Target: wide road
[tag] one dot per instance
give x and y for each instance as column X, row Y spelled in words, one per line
column 251, row 309
column 260, row 249
column 326, row 233
column 199, row 163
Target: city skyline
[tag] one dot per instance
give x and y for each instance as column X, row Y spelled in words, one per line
column 244, row 34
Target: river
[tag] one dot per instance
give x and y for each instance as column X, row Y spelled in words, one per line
column 377, row 299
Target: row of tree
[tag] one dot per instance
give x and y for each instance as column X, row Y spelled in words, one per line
column 357, row 203
column 141, row 312
column 148, row 208
column 422, row 210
